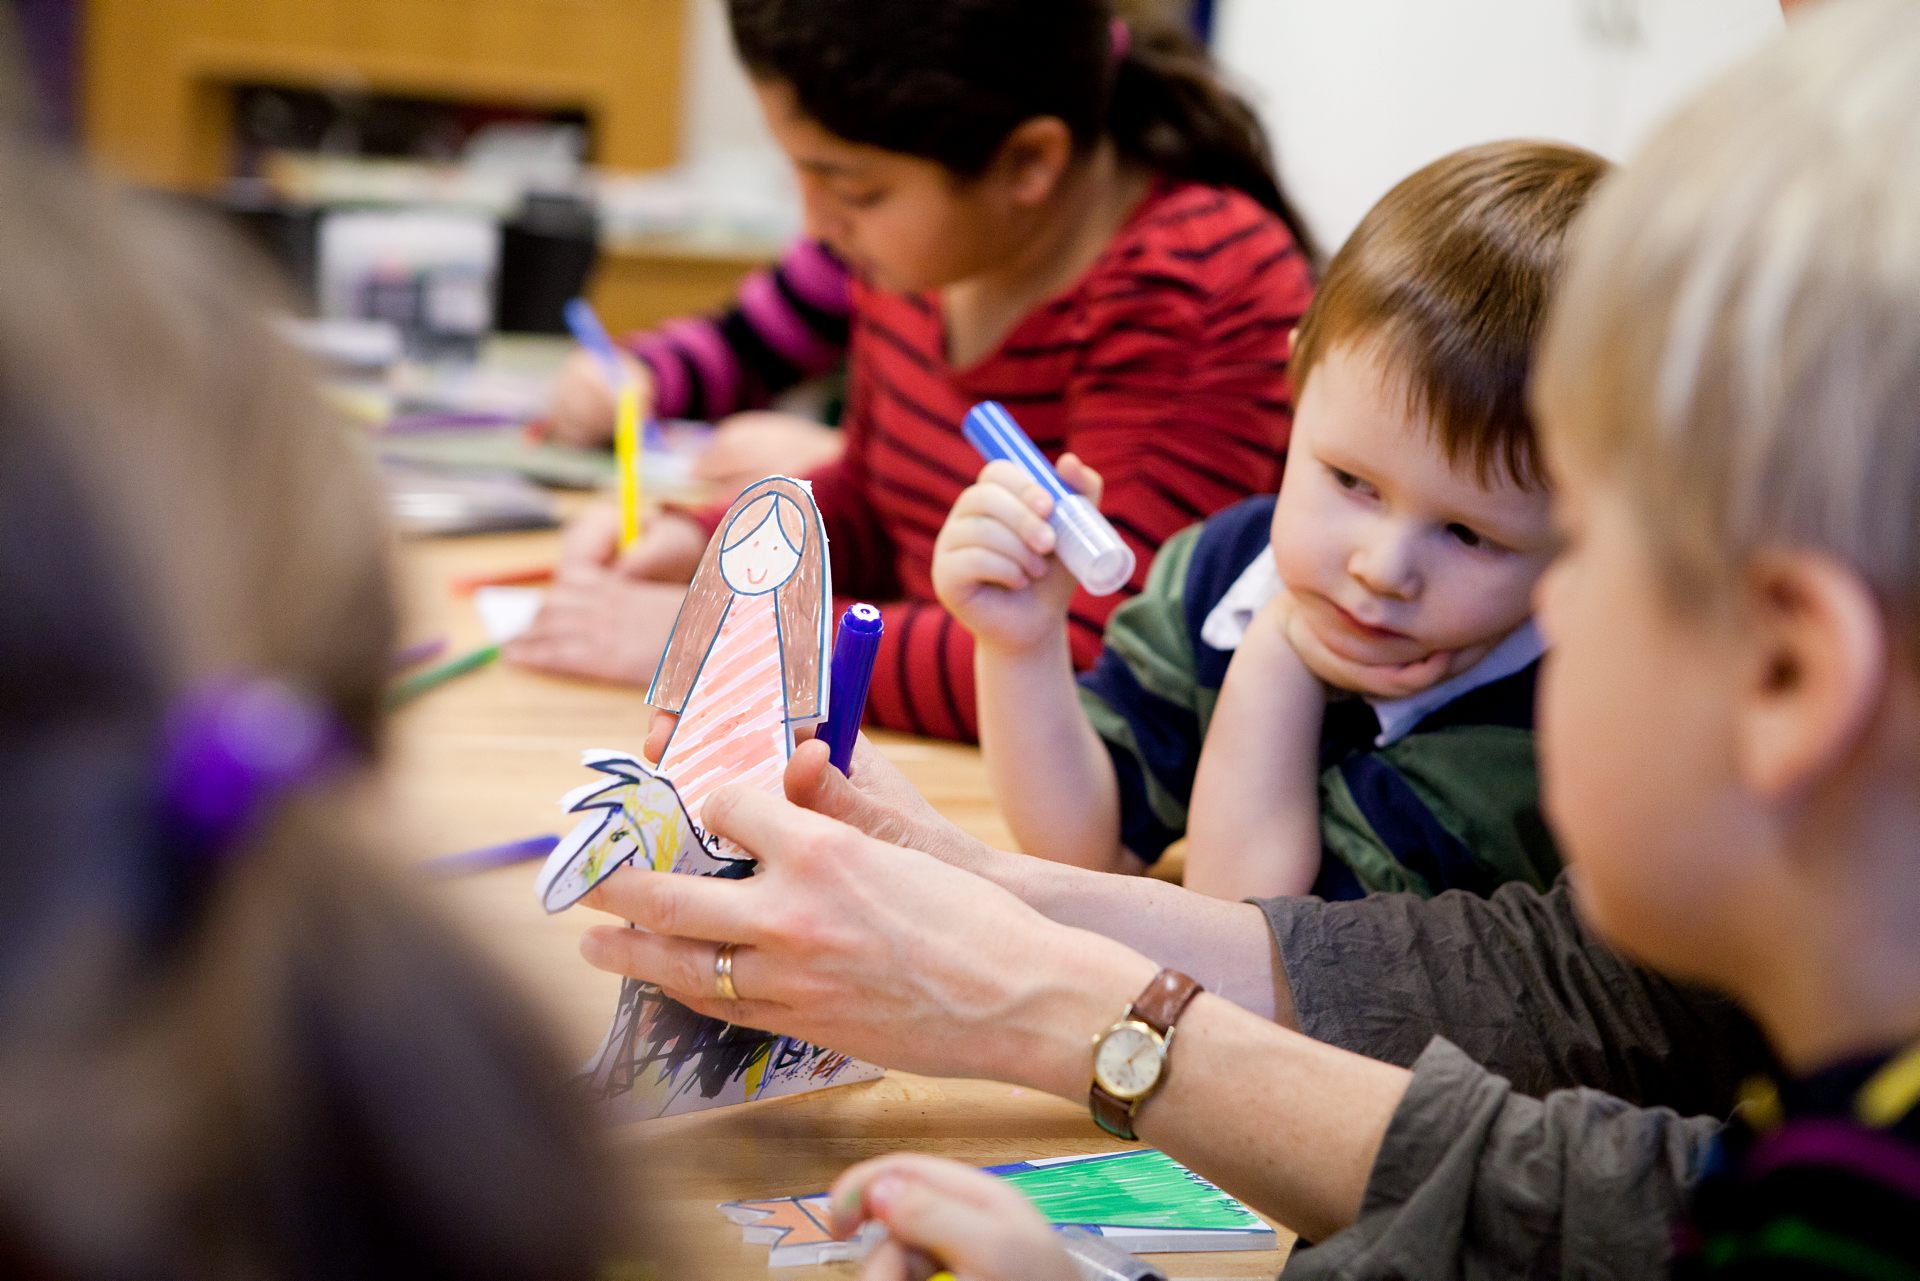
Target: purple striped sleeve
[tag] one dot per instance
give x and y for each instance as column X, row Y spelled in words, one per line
column 818, row 277
column 799, row 317
column 1869, row 1154
column 718, row 366
column 782, row 328
column 672, row 390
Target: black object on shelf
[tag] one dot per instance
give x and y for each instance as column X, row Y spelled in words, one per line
column 546, row 254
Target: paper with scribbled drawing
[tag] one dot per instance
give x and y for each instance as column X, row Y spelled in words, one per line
column 748, row 659
column 629, row 815
column 1143, row 1201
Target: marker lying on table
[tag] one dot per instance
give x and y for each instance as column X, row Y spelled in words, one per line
column 414, row 686
column 592, row 335
column 854, row 647
column 414, row 655
column 527, row 576
column 1085, row 542
column 490, row 856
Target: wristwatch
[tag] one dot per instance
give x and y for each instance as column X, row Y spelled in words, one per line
column 1130, row 1058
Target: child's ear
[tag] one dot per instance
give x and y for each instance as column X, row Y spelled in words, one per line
column 1032, row 159
column 1818, row 646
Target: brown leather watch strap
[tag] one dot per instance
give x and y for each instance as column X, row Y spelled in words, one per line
column 1159, row 1006
column 1164, row 1000
column 1113, row 1115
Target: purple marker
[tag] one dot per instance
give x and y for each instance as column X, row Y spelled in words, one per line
column 414, row 655
column 1086, row 543
column 490, row 856
column 854, row 648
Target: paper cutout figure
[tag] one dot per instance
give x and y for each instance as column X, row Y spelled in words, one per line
column 1143, row 1201
column 638, row 818
column 747, row 660
column 748, row 657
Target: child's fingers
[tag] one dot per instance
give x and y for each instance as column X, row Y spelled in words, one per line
column 891, row 1261
column 976, row 1224
column 581, row 409
column 982, row 565
column 991, row 504
column 1081, row 478
column 992, row 535
column 1014, row 479
column 592, row 537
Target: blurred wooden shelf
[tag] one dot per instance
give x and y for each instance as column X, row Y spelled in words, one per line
column 644, row 280
column 161, row 74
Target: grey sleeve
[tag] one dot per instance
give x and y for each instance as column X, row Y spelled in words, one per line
column 1518, row 983
column 1475, row 1182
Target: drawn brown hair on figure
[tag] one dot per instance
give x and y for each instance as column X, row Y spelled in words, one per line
column 798, row 601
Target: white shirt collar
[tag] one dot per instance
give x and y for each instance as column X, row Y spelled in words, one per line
column 1227, row 622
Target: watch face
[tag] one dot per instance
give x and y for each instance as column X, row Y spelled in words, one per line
column 1128, row 1060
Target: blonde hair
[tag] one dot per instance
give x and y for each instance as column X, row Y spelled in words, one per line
column 1738, row 341
column 796, row 601
column 1446, row 279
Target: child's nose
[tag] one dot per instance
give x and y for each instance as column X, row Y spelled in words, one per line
column 1385, row 564
column 817, row 217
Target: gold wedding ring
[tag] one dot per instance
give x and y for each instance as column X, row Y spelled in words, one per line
column 723, row 973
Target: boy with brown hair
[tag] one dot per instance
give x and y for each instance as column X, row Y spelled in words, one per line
column 1345, row 671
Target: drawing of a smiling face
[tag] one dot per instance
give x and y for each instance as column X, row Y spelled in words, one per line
column 761, row 559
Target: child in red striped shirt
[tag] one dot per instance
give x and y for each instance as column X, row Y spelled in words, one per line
column 1040, row 206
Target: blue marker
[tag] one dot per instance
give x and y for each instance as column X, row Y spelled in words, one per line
column 1086, row 544
column 853, row 652
column 591, row 334
column 491, row 856
column 584, row 323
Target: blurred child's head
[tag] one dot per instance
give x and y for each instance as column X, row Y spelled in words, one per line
column 1412, row 522
column 1729, row 394
column 927, row 133
column 254, row 1055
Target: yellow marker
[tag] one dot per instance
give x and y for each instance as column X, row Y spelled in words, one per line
column 1893, row 1092
column 626, row 445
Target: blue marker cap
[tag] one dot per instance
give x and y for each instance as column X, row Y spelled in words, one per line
column 854, row 648
column 1084, row 540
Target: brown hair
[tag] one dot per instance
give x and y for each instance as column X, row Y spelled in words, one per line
column 1446, row 279
column 797, row 602
column 950, row 81
column 272, row 1060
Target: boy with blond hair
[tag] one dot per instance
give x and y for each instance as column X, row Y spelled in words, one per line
column 1730, row 392
column 1331, row 690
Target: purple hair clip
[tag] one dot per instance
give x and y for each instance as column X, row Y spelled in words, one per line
column 233, row 749
column 1120, row 35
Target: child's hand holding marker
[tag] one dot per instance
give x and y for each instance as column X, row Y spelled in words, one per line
column 585, row 403
column 994, row 566
column 667, row 551
column 942, row 1216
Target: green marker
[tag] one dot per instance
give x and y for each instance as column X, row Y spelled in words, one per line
column 419, row 683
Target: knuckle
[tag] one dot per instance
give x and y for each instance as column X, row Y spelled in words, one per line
column 659, row 912
column 689, row 972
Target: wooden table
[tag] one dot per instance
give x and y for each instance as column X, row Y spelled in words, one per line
column 485, row 760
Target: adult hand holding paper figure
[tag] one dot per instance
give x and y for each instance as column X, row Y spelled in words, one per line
column 981, row 979
column 746, row 661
